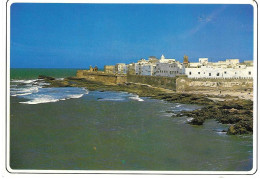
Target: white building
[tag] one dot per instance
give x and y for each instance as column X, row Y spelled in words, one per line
column 145, row 67
column 231, row 68
column 165, row 60
column 121, row 68
column 168, row 67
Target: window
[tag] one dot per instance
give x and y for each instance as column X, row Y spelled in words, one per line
column 190, row 73
column 217, row 74
column 198, row 72
column 209, row 74
column 249, row 73
column 225, row 72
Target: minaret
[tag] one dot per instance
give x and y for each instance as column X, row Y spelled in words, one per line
column 185, row 60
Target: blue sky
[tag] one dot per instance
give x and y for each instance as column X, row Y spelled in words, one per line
column 79, row 35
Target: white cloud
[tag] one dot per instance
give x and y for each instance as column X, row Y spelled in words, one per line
column 202, row 21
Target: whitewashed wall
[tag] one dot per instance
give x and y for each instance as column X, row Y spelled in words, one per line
column 168, row 69
column 209, row 72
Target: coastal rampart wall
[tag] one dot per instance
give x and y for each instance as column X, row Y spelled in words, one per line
column 179, row 84
column 101, row 77
column 185, row 84
column 157, row 81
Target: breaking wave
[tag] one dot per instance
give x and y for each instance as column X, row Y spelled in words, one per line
column 34, row 93
column 116, row 96
column 50, row 95
column 136, row 97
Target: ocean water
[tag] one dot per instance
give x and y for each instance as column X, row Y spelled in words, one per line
column 76, row 129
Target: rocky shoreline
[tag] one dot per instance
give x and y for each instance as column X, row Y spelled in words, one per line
column 228, row 110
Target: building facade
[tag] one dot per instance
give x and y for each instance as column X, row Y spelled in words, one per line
column 167, row 67
column 231, row 68
column 121, row 68
column 109, row 69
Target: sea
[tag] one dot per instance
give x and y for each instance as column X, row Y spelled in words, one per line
column 72, row 128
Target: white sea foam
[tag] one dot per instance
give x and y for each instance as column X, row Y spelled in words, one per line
column 111, row 99
column 189, row 119
column 24, row 91
column 40, row 100
column 49, row 95
column 221, row 132
column 50, row 99
column 137, row 98
column 42, row 84
column 33, row 91
column 86, row 91
column 30, row 81
column 167, row 114
column 59, row 78
column 23, row 94
column 75, row 96
column 17, row 81
column 24, row 81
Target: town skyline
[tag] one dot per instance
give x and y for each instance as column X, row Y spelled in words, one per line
column 79, row 35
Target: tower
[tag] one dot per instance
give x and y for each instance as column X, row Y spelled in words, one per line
column 185, row 60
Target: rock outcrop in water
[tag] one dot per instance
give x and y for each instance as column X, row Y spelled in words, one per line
column 54, row 82
column 237, row 112
column 47, row 78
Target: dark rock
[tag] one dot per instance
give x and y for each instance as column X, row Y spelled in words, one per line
column 242, row 127
column 169, row 111
column 45, row 77
column 197, row 121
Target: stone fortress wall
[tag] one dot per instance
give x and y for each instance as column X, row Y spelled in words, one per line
column 101, row 77
column 185, row 84
column 178, row 84
column 156, row 81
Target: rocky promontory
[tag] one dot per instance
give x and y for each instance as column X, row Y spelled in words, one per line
column 237, row 112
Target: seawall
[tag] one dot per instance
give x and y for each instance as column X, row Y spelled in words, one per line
column 157, row 81
column 185, row 84
column 178, row 84
column 101, row 77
